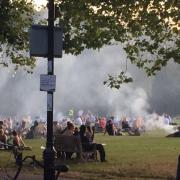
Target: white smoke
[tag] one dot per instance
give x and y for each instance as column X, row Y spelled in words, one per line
column 155, row 121
column 79, row 86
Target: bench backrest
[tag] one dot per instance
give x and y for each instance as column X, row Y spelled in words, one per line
column 67, row 143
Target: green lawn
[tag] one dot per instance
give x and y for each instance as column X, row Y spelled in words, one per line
column 150, row 156
column 177, row 121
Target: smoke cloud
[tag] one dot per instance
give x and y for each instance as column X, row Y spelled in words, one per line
column 80, row 86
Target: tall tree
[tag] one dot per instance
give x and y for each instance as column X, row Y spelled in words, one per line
column 148, row 30
column 16, row 17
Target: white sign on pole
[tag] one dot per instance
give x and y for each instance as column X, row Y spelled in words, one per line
column 47, row 82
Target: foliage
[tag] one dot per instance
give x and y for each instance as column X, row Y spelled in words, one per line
column 15, row 18
column 117, row 81
column 149, row 31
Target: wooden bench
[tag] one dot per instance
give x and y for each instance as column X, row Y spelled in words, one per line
column 72, row 144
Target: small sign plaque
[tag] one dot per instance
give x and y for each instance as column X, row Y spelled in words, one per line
column 47, row 82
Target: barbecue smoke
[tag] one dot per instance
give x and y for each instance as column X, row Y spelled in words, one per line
column 80, row 86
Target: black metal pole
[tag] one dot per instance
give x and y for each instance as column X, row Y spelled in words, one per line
column 178, row 169
column 49, row 154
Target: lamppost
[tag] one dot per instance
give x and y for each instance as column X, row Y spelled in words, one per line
column 46, row 41
column 49, row 154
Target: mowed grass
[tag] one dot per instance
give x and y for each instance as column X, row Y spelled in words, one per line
column 149, row 156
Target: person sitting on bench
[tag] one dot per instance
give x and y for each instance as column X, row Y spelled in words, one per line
column 88, row 146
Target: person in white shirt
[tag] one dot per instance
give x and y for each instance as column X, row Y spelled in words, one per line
column 78, row 121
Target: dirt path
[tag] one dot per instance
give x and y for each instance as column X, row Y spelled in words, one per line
column 4, row 176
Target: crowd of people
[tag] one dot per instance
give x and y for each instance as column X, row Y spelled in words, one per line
column 13, row 135
column 7, row 140
column 84, row 126
column 13, row 132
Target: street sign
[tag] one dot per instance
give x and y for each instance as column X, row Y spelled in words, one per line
column 39, row 41
column 47, row 83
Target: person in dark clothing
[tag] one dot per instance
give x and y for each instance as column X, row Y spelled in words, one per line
column 88, row 146
column 125, row 125
column 110, row 129
column 90, row 133
column 31, row 133
column 175, row 134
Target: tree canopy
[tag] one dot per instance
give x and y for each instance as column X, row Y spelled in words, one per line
column 16, row 17
column 149, row 31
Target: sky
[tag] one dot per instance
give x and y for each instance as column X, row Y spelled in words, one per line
column 40, row 2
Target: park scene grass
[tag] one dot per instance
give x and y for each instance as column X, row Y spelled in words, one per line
column 149, row 156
